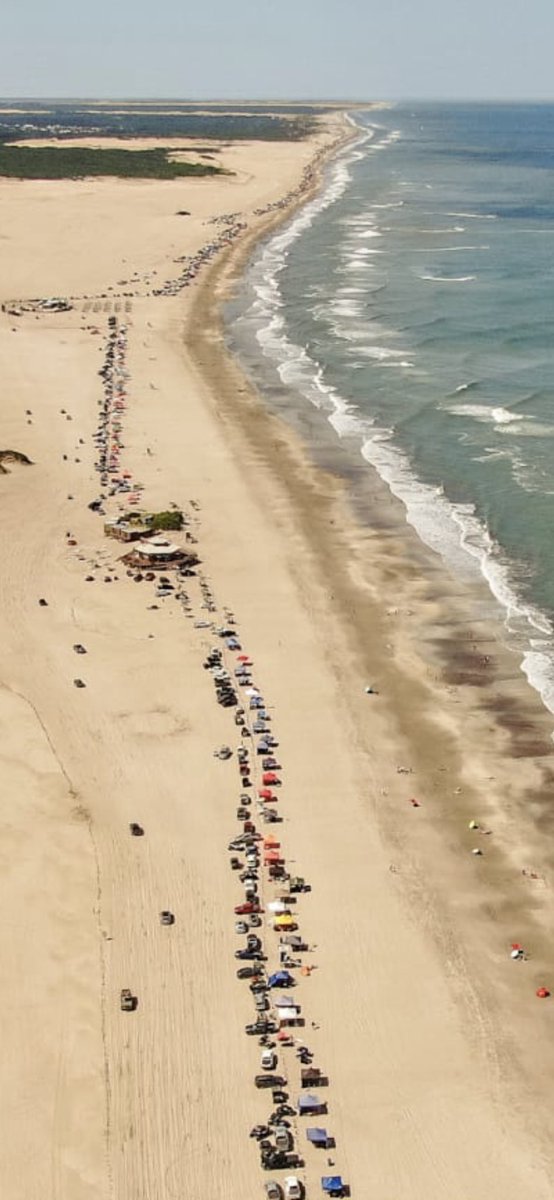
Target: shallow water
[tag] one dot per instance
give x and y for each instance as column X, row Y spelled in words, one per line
column 411, row 303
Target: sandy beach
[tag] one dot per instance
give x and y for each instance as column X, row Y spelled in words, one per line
column 437, row 1051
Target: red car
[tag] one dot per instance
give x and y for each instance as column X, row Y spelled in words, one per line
column 247, row 907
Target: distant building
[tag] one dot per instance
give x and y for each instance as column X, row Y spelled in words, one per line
column 127, row 531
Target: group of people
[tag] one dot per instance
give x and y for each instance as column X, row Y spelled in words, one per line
column 193, row 263
column 308, row 176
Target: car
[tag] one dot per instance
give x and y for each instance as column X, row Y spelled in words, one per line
column 269, row 1081
column 236, row 864
column 136, row 830
column 248, row 907
column 79, row 649
column 268, row 1060
column 249, row 972
column 253, row 942
column 127, row 1002
column 293, row 1188
column 254, row 920
column 252, row 955
column 273, row 1190
column 274, row 1160
column 261, row 1027
column 167, row 917
column 241, row 927
column 78, row 683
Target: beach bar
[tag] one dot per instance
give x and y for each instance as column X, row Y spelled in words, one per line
column 158, row 554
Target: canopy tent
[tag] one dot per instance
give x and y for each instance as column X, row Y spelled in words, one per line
column 285, row 921
column 271, row 841
column 332, row 1184
column 317, row 1136
column 288, row 1012
column 265, row 794
column 269, row 777
column 280, row 979
column 285, row 1002
column 277, row 906
column 308, row 1103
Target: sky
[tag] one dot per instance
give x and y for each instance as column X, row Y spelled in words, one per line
column 278, row 49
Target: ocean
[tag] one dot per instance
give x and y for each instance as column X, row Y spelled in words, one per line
column 411, row 305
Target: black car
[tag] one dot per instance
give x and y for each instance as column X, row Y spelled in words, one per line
column 269, row 1081
column 274, row 1160
column 249, row 972
column 259, row 1132
column 261, row 1027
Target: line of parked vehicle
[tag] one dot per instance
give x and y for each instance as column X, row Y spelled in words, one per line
column 256, row 859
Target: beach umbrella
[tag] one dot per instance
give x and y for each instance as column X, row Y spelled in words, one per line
column 245, row 658
column 542, row 993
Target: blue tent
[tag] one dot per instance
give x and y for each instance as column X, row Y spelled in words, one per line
column 280, row 979
column 317, row 1136
column 333, row 1185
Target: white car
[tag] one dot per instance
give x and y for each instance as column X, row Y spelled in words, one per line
column 268, row 1060
column 293, row 1188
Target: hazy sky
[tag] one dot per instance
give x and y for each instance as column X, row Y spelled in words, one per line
column 278, row 48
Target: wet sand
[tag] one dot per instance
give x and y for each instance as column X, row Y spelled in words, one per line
column 437, row 1051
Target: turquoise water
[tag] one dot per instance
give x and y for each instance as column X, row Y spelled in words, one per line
column 412, row 304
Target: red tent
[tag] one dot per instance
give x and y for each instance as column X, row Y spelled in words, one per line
column 270, row 777
column 266, row 794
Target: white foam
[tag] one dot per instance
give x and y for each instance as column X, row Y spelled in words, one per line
column 471, row 216
column 448, row 278
column 453, row 531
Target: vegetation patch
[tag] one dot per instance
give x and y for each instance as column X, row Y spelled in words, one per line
column 81, row 162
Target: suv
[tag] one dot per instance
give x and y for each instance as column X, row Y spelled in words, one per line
column 293, row 1188
column 273, row 1190
column 269, row 1081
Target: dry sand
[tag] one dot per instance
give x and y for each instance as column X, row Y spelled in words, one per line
column 438, row 1053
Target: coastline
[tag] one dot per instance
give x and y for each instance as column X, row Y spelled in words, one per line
column 432, row 1038
column 450, row 682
